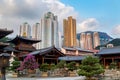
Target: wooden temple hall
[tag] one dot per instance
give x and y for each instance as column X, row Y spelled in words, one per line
column 3, row 44
column 47, row 55
column 24, row 46
column 109, row 55
column 21, row 46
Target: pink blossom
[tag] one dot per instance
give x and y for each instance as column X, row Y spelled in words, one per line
column 28, row 63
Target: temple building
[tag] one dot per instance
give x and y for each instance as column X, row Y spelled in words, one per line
column 75, row 54
column 47, row 55
column 76, row 51
column 24, row 45
column 3, row 33
column 109, row 55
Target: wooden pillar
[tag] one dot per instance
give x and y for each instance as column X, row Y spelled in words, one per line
column 112, row 59
column 104, row 62
column 42, row 60
column 37, row 59
column 57, row 60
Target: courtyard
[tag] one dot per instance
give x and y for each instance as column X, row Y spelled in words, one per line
column 48, row 78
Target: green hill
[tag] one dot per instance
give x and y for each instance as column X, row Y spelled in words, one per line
column 115, row 42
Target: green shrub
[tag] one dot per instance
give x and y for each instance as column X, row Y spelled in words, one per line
column 15, row 64
column 52, row 66
column 71, row 66
column 113, row 65
column 44, row 67
column 90, row 66
column 61, row 64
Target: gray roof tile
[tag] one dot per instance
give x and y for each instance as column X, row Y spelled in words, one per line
column 114, row 50
column 72, row 58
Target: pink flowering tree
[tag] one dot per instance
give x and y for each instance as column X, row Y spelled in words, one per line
column 29, row 63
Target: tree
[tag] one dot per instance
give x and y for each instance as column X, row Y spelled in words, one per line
column 61, row 64
column 44, row 67
column 90, row 66
column 71, row 66
column 15, row 64
column 52, row 66
column 29, row 63
column 113, row 65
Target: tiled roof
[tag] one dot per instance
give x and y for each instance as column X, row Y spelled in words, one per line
column 106, row 51
column 79, row 49
column 84, row 50
column 41, row 51
column 5, row 32
column 17, row 38
column 10, row 48
column 5, row 54
column 72, row 58
column 69, row 48
column 45, row 50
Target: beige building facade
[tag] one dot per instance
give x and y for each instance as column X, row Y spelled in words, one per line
column 69, row 27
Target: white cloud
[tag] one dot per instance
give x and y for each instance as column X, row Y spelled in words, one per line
column 15, row 12
column 90, row 24
column 0, row 17
column 116, row 31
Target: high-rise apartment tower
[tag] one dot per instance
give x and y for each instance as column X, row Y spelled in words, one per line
column 36, row 34
column 25, row 30
column 69, row 27
column 96, row 39
column 89, row 41
column 49, row 28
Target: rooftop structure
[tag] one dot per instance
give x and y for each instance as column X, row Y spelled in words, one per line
column 24, row 45
column 76, row 51
column 47, row 55
column 109, row 55
column 5, row 32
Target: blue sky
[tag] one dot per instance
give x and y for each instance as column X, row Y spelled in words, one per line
column 107, row 12
column 92, row 15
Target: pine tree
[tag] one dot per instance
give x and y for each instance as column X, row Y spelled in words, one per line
column 15, row 64
column 90, row 66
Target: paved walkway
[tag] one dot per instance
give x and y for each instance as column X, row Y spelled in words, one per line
column 9, row 77
column 59, row 78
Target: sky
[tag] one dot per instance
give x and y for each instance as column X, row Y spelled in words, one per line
column 90, row 15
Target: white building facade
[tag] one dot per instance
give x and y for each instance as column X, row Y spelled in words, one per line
column 49, row 29
column 25, row 30
column 36, row 34
column 96, row 39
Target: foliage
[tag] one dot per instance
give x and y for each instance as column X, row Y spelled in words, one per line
column 90, row 66
column 113, row 65
column 5, row 39
column 61, row 64
column 115, row 42
column 15, row 64
column 100, row 46
column 28, row 63
column 71, row 66
column 44, row 67
column 52, row 66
